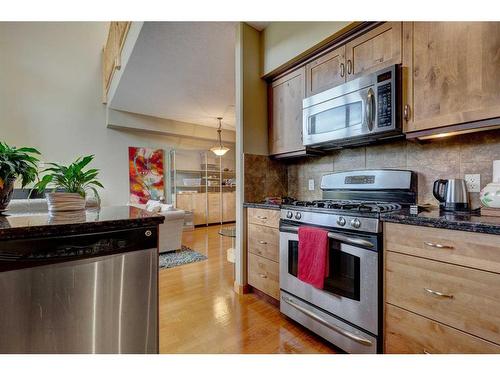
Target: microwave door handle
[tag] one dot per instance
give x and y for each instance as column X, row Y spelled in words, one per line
column 370, row 105
column 335, row 236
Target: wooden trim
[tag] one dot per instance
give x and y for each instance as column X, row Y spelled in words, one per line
column 241, row 289
column 336, row 40
column 466, row 127
column 298, row 154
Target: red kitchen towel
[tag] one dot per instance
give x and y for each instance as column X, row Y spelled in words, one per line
column 313, row 253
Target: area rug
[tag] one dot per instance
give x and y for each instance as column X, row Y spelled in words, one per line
column 185, row 255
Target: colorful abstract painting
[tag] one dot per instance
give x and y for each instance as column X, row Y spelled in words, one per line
column 145, row 174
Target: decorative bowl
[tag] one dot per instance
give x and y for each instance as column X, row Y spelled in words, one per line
column 490, row 195
column 65, row 202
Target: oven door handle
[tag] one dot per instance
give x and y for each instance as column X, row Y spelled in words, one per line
column 333, row 327
column 335, row 236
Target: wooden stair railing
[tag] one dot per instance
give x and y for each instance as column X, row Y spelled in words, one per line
column 111, row 54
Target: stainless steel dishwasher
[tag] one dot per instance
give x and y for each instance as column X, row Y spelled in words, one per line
column 86, row 293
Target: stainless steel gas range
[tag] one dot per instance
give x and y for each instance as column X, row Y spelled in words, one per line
column 348, row 310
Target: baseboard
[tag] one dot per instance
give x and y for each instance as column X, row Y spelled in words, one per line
column 265, row 297
column 241, row 289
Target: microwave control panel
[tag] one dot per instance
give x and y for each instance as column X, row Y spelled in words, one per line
column 384, row 107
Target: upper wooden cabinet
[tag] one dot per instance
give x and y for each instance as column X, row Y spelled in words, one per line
column 453, row 73
column 374, row 50
column 326, row 72
column 285, row 130
column 378, row 48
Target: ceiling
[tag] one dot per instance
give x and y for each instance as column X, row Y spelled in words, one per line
column 258, row 25
column 184, row 71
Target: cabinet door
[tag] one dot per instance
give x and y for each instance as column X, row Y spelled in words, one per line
column 374, row 50
column 214, row 208
column 286, row 96
column 200, row 208
column 194, row 202
column 326, row 71
column 184, row 202
column 453, row 72
column 229, row 206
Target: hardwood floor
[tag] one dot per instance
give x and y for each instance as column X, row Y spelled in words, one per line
column 200, row 312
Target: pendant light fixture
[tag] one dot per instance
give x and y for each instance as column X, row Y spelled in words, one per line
column 219, row 150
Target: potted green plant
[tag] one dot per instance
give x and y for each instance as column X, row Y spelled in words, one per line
column 14, row 163
column 71, row 182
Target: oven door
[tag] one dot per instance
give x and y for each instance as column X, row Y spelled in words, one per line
column 351, row 288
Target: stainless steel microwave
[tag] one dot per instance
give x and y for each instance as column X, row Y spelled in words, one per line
column 357, row 112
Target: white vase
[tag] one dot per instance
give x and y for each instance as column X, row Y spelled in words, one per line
column 65, row 202
column 490, row 195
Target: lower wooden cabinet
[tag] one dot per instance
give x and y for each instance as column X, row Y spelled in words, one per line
column 457, row 296
column 409, row 333
column 263, row 250
column 263, row 241
column 210, row 208
column 263, row 274
column 214, row 208
column 431, row 305
column 194, row 202
column 229, row 206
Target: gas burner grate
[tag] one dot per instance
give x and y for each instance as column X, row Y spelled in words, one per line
column 346, row 205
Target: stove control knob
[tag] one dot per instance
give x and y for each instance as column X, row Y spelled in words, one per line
column 341, row 221
column 298, row 215
column 355, row 223
column 289, row 215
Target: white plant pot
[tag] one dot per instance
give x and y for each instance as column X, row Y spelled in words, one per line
column 65, row 202
column 490, row 195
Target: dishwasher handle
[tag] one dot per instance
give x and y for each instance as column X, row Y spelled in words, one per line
column 23, row 253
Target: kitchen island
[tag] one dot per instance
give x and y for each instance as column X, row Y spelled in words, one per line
column 84, row 282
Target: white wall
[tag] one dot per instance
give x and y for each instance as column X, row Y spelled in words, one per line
column 284, row 41
column 50, row 98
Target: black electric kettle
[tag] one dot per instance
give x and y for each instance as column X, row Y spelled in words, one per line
column 452, row 194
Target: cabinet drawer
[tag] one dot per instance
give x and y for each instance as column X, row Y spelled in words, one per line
column 464, row 298
column 408, row 333
column 270, row 218
column 263, row 274
column 476, row 250
column 264, row 241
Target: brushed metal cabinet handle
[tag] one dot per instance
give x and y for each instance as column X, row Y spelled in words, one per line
column 342, row 69
column 439, row 294
column 333, row 327
column 263, row 276
column 407, row 112
column 426, row 352
column 349, row 66
column 438, row 245
column 262, row 242
column 262, row 217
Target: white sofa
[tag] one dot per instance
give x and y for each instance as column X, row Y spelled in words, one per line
column 170, row 236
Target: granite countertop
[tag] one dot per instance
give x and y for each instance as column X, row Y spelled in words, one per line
column 266, row 206
column 438, row 219
column 30, row 225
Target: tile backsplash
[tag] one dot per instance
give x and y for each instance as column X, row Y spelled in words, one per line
column 451, row 157
column 264, row 177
